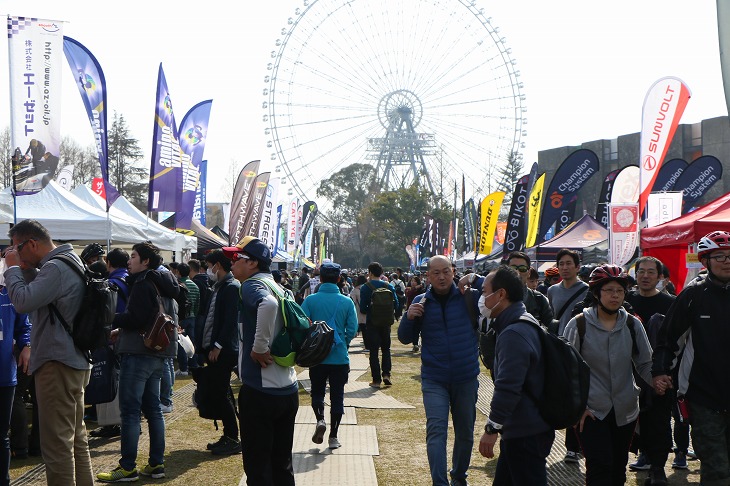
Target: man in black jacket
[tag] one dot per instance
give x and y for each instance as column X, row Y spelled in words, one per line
column 220, row 345
column 141, row 368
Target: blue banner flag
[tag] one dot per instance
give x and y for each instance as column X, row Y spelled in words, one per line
column 668, row 175
column 697, row 179
column 92, row 87
column 193, row 134
column 165, row 172
column 200, row 194
column 570, row 177
column 605, row 197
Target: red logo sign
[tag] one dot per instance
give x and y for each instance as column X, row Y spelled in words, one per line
column 649, row 163
column 556, row 200
column 97, row 185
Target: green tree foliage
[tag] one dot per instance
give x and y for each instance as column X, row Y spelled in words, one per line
column 400, row 218
column 127, row 171
column 508, row 177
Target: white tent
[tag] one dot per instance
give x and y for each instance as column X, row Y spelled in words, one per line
column 68, row 218
column 162, row 237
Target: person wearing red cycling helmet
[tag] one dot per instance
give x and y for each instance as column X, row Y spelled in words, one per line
column 612, row 342
column 698, row 325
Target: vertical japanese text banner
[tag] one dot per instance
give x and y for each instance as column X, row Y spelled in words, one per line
column 623, row 232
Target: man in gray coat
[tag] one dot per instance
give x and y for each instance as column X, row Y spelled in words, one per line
column 35, row 280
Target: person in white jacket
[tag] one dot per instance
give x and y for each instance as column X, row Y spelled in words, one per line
column 612, row 342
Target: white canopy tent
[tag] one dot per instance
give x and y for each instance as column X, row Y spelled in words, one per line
column 162, row 237
column 68, row 218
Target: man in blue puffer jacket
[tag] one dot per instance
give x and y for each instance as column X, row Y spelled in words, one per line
column 449, row 368
column 329, row 305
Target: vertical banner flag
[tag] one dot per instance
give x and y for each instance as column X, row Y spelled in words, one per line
column 239, row 202
column 490, row 208
column 258, row 195
column 322, row 246
column 470, row 223
column 165, row 173
column 268, row 227
column 668, row 175
column 516, row 231
column 501, row 232
column 662, row 207
column 35, row 48
column 309, row 212
column 567, row 216
column 605, row 198
column 193, row 134
column 626, row 185
column 697, row 179
column 308, row 251
column 292, row 235
column 623, row 232
column 98, row 187
column 450, row 241
column 200, row 194
column 92, row 87
column 533, row 211
column 411, row 252
column 426, row 234
column 279, row 210
column 569, row 178
column 327, row 244
column 723, row 35
column 663, row 107
column 314, row 257
column 65, row 177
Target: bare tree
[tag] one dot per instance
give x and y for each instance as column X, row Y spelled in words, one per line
column 6, row 170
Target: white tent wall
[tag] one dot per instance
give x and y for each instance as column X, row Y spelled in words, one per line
column 163, row 238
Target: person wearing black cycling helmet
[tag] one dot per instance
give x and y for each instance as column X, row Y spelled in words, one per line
column 603, row 335
column 584, row 272
column 697, row 325
column 92, row 253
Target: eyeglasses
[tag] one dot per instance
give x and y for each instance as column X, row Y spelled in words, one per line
column 613, row 291
column 19, row 247
column 240, row 256
column 720, row 258
column 520, row 268
column 646, row 272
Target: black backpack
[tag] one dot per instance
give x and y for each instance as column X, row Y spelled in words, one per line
column 382, row 311
column 209, row 405
column 567, row 380
column 184, row 304
column 91, row 326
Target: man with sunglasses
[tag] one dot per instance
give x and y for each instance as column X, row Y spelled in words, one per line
column 697, row 325
column 220, row 344
column 35, row 280
column 535, row 303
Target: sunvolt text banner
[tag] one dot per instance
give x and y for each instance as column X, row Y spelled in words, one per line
column 663, row 107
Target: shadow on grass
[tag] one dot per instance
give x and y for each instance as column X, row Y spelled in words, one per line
column 179, row 461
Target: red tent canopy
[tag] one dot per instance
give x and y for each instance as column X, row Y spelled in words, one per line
column 669, row 241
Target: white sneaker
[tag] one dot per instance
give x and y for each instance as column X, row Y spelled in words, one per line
column 181, row 373
column 571, row 457
column 166, row 408
column 334, row 443
column 319, row 431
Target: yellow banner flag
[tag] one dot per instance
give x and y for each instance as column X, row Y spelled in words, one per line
column 533, row 212
column 490, row 212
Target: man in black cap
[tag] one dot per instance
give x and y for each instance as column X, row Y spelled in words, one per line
column 269, row 399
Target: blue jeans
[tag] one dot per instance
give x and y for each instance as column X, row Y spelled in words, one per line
column 139, row 390
column 461, row 399
column 168, row 379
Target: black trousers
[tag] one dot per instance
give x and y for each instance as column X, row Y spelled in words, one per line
column 655, row 430
column 267, row 436
column 606, row 449
column 220, row 380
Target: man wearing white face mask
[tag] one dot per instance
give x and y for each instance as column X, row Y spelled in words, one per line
column 518, row 376
column 449, row 369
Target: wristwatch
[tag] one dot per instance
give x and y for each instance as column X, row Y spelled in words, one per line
column 489, row 429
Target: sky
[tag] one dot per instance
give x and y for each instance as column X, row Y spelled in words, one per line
column 585, row 67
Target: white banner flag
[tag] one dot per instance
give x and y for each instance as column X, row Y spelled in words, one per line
column 292, row 232
column 663, row 207
column 35, row 55
column 269, row 223
column 623, row 232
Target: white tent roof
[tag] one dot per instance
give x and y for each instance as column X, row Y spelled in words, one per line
column 68, row 218
column 162, row 237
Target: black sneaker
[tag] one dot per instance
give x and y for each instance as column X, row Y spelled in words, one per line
column 319, row 431
column 386, row 380
column 228, row 447
column 213, row 445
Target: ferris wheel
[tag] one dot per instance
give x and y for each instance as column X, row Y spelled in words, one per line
column 424, row 91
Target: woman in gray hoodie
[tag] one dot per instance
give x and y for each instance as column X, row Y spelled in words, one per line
column 612, row 342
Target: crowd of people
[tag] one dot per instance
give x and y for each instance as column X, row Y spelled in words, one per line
column 653, row 356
